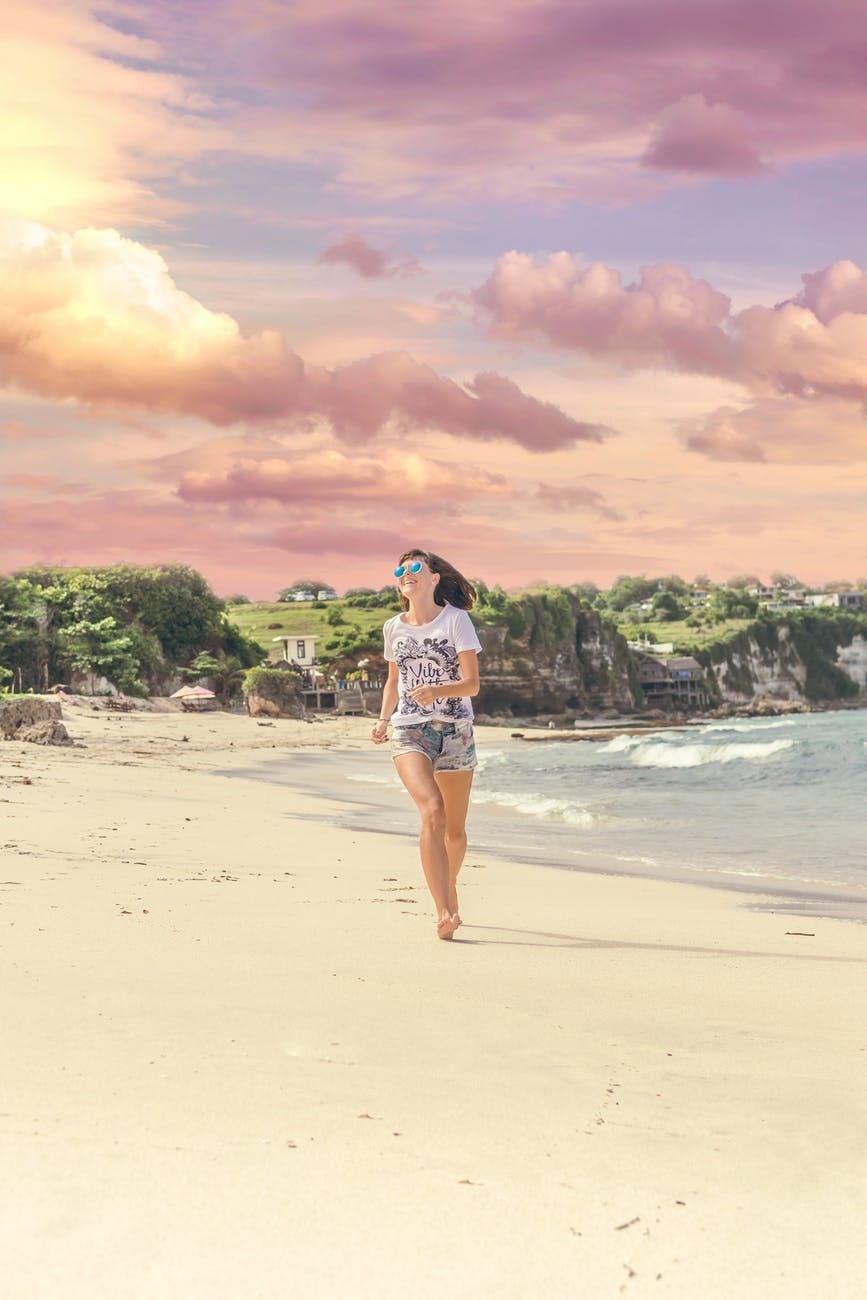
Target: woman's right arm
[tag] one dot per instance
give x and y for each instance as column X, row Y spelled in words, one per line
column 378, row 733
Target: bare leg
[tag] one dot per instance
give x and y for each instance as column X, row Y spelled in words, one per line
column 416, row 772
column 455, row 789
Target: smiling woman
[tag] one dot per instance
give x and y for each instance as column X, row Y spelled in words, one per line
column 432, row 652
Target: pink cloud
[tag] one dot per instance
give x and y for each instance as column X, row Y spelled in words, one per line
column 813, row 343
column 325, row 539
column 555, row 99
column 839, row 288
column 570, row 497
column 694, row 136
column 785, row 430
column 471, row 544
column 334, row 478
column 98, row 318
column 17, row 431
column 667, row 318
column 369, row 262
column 43, row 483
column 93, row 124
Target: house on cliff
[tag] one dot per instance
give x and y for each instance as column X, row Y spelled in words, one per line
column 299, row 650
column 836, row 600
column 672, row 682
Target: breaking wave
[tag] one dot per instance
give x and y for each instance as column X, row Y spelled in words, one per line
column 665, row 754
column 537, row 805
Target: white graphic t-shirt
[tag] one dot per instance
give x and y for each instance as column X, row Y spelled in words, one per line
column 427, row 656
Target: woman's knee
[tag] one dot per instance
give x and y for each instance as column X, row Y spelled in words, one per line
column 433, row 814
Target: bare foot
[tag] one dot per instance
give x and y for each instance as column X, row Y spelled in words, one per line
column 447, row 924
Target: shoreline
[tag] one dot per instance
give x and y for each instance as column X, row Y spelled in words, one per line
column 238, row 1062
column 772, row 892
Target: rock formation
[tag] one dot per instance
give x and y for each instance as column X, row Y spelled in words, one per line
column 274, row 693
column 564, row 659
column 33, row 719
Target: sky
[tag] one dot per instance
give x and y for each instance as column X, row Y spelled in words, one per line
column 558, row 289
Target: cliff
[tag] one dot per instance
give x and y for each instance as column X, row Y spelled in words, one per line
column 549, row 653
column 814, row 658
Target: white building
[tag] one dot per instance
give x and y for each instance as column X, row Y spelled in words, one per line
column 299, row 648
column 835, row 600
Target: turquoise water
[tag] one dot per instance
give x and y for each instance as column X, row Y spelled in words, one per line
column 769, row 805
column 775, row 798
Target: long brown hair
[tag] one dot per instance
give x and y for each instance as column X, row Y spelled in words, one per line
column 452, row 588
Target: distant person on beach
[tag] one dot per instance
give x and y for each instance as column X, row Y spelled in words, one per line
column 433, row 670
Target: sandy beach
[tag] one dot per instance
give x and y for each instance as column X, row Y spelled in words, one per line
column 237, row 1062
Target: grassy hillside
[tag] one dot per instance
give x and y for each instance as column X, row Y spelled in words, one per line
column 254, row 621
column 685, row 638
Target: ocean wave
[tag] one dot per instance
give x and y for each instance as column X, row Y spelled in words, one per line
column 368, row 778
column 748, row 724
column 537, row 805
column 620, row 744
column 666, row 754
column 488, row 758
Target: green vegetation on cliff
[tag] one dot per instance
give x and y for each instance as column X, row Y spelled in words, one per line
column 807, row 640
column 547, row 649
column 138, row 627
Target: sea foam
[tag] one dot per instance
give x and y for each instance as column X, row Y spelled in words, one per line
column 537, row 805
column 666, row 754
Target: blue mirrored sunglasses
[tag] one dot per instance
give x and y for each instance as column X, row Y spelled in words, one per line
column 401, row 569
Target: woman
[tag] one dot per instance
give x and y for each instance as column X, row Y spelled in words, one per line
column 433, row 670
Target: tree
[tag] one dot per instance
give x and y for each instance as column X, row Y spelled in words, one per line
column 21, row 647
column 99, row 648
column 630, row 591
column 225, row 671
column 674, row 583
column 785, row 580
column 741, row 581
column 52, row 619
column 667, row 607
column 724, row 603
column 173, row 601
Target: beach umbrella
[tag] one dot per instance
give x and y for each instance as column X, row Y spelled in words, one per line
column 192, row 693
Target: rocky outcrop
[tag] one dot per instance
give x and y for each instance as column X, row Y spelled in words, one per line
column 552, row 656
column 748, row 669
column 35, row 720
column 852, row 660
column 274, row 693
column 550, row 653
column 818, row 658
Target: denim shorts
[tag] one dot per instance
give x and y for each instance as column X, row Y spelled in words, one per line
column 449, row 745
